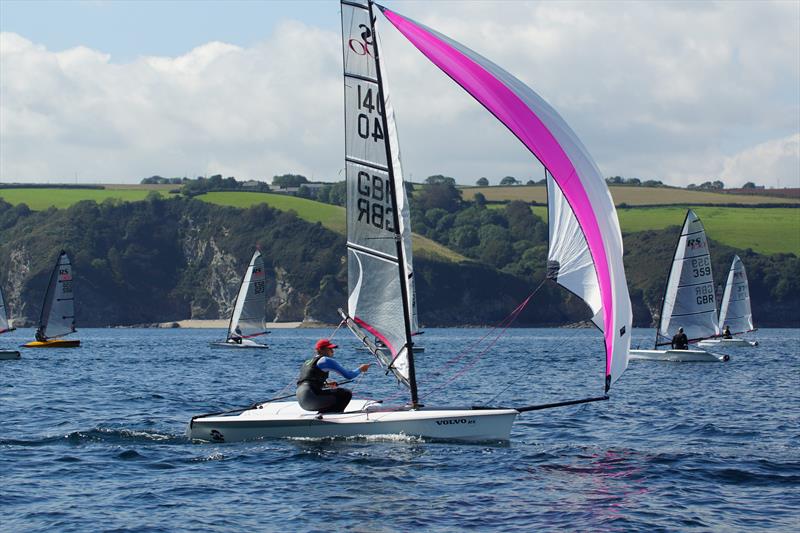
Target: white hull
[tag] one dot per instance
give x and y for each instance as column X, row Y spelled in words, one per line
column 246, row 343
column 6, row 355
column 687, row 356
column 727, row 343
column 362, row 418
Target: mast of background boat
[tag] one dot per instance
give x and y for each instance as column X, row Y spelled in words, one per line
column 48, row 296
column 401, row 261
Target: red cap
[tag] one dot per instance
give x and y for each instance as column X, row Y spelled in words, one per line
column 325, row 343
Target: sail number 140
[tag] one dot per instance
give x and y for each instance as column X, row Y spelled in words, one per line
column 369, row 126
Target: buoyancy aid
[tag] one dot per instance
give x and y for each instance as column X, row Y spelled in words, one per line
column 311, row 374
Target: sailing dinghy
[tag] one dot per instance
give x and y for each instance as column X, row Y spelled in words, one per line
column 688, row 299
column 5, row 327
column 586, row 258
column 58, row 310
column 735, row 311
column 247, row 320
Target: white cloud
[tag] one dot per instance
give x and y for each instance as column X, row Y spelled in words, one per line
column 762, row 163
column 249, row 112
column 677, row 91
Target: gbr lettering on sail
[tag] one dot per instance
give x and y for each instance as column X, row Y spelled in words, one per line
column 374, row 204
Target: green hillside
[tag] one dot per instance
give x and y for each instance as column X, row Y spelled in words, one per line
column 40, row 199
column 773, row 230
column 330, row 216
column 764, row 230
column 629, row 196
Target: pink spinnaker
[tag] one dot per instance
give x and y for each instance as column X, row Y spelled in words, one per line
column 548, row 137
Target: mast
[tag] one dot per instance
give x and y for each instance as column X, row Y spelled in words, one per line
column 401, row 262
column 48, row 295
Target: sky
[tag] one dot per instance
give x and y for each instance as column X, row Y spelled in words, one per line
column 113, row 91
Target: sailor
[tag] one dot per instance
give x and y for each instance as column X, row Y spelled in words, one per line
column 237, row 335
column 726, row 333
column 312, row 393
column 40, row 334
column 680, row 341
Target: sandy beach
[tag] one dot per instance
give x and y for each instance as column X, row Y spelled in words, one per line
column 223, row 324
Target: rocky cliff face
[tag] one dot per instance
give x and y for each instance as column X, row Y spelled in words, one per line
column 16, row 305
column 222, row 275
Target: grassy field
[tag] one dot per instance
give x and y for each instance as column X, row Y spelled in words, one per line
column 768, row 231
column 629, row 195
column 330, row 216
column 40, row 199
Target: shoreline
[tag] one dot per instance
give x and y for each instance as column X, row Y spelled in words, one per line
column 223, row 324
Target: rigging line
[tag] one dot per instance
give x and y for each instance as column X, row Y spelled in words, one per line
column 477, row 357
column 521, row 375
column 337, row 329
column 510, row 318
column 357, row 382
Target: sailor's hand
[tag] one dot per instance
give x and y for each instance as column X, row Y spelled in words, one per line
column 332, row 384
column 363, row 368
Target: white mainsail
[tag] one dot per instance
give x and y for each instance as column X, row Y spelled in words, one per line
column 735, row 310
column 689, row 301
column 58, row 312
column 4, row 324
column 381, row 299
column 249, row 311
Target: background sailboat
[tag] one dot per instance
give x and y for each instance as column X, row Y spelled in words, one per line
column 248, row 317
column 58, row 310
column 5, row 327
column 689, row 301
column 735, row 312
column 379, row 267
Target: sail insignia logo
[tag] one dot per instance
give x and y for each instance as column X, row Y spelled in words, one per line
column 694, row 244
column 362, row 47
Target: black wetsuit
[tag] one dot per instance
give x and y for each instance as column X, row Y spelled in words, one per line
column 727, row 334
column 680, row 342
column 311, row 393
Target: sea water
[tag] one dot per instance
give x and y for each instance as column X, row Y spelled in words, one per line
column 94, row 438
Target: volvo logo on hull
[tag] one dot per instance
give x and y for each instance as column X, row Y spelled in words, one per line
column 452, row 421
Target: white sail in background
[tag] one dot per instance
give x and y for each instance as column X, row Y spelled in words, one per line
column 689, row 300
column 58, row 312
column 735, row 310
column 249, row 311
column 4, row 324
column 374, row 183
